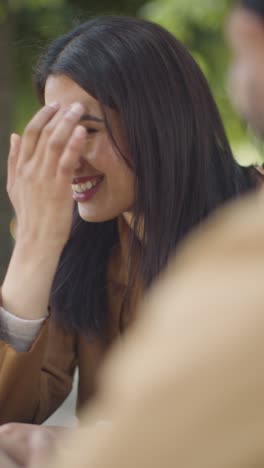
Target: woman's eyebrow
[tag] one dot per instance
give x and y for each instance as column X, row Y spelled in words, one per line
column 91, row 117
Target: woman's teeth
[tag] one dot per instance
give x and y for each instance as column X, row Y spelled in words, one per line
column 80, row 188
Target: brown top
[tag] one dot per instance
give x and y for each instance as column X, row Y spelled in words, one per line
column 33, row 384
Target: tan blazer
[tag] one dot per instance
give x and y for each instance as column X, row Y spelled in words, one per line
column 185, row 389
column 33, row 384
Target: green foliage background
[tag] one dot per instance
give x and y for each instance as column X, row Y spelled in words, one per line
column 199, row 24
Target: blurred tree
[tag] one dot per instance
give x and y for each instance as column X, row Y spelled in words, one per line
column 125, row 7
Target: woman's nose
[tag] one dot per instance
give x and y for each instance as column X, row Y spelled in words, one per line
column 81, row 164
column 83, row 167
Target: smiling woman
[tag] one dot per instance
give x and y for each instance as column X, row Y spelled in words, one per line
column 101, row 171
column 127, row 155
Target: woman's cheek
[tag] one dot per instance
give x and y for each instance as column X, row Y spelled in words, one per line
column 98, row 150
column 91, row 151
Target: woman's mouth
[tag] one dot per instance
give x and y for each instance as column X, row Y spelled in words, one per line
column 86, row 188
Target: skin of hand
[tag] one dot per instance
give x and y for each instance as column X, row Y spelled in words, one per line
column 26, row 444
column 41, row 165
column 5, row 461
column 40, row 170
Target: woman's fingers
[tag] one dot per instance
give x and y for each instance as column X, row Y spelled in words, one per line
column 24, row 443
column 15, row 447
column 70, row 159
column 12, row 159
column 33, row 131
column 60, row 139
column 41, row 446
column 46, row 137
column 46, row 133
column 5, row 460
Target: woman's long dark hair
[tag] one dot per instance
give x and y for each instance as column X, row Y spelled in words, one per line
column 183, row 163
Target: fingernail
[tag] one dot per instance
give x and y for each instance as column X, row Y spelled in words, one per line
column 13, row 139
column 11, row 145
column 77, row 108
column 80, row 132
column 54, row 105
column 4, row 429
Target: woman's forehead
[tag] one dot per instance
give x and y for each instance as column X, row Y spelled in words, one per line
column 62, row 89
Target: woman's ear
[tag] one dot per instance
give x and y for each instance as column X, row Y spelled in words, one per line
column 260, row 169
column 260, row 175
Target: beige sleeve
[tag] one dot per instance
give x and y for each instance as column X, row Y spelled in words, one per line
column 18, row 332
column 186, row 387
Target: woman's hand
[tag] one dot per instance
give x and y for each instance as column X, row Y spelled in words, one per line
column 5, row 461
column 28, row 444
column 41, row 166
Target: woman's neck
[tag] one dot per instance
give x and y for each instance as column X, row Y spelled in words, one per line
column 130, row 220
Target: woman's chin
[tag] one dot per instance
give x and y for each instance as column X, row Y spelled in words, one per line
column 94, row 216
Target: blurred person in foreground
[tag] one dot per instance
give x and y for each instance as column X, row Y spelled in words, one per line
column 196, row 399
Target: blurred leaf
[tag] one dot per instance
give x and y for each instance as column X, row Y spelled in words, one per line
column 34, row 4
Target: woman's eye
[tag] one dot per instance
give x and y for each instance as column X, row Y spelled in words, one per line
column 91, row 130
